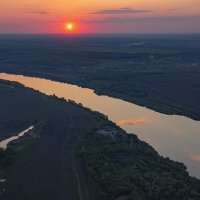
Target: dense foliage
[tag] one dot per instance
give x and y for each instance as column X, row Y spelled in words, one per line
column 128, row 167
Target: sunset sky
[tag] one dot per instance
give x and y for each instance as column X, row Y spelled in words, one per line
column 100, row 16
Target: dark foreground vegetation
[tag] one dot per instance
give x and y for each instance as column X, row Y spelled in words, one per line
column 74, row 153
column 160, row 72
column 128, row 168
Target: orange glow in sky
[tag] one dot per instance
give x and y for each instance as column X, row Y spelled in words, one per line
column 112, row 16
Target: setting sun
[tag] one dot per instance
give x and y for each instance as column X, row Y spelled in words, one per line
column 69, row 26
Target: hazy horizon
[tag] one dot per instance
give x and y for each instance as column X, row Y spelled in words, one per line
column 154, row 16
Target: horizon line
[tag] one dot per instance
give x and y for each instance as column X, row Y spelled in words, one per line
column 125, row 33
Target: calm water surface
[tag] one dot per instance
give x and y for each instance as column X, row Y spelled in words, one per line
column 174, row 136
column 4, row 143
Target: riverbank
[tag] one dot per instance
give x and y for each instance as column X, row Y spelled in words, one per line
column 162, row 73
column 138, row 92
column 5, row 143
column 134, row 119
column 44, row 158
column 79, row 154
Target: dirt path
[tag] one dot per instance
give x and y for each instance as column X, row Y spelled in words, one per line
column 69, row 167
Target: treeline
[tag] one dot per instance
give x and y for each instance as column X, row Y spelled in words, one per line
column 128, row 168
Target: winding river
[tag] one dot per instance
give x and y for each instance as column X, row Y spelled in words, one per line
column 174, row 136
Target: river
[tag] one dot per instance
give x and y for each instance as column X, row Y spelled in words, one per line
column 173, row 136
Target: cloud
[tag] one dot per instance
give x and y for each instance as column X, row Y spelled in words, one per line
column 39, row 12
column 132, row 121
column 144, row 19
column 195, row 157
column 125, row 10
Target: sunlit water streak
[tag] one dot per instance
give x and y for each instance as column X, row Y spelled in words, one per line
column 174, row 136
column 4, row 143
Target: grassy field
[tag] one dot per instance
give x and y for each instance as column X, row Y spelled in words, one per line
column 43, row 164
column 73, row 153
